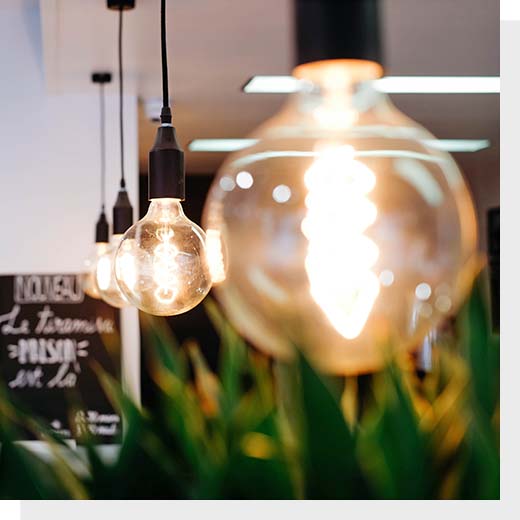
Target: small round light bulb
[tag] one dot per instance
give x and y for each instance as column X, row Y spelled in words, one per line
column 91, row 264
column 89, row 275
column 161, row 264
column 106, row 283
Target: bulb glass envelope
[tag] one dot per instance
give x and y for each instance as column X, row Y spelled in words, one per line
column 106, row 282
column 345, row 231
column 89, row 276
column 166, row 253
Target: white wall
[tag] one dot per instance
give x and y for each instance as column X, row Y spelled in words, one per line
column 50, row 161
column 49, row 155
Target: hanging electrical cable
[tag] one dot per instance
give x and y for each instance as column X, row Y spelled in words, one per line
column 120, row 71
column 102, row 232
column 122, row 212
column 102, row 78
column 166, row 116
column 165, row 251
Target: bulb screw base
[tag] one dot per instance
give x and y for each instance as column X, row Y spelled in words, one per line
column 166, row 177
column 102, row 228
column 122, row 213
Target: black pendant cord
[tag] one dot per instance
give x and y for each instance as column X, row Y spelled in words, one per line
column 166, row 175
column 122, row 213
column 102, row 231
column 166, row 116
column 102, row 145
column 121, row 135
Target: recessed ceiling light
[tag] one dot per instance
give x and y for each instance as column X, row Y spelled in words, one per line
column 233, row 145
column 389, row 85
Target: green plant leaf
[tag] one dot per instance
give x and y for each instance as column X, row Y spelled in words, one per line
column 331, row 469
column 481, row 349
column 257, row 468
column 393, row 450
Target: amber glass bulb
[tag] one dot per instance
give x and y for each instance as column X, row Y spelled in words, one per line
column 345, row 230
column 89, row 275
column 107, row 285
column 167, row 253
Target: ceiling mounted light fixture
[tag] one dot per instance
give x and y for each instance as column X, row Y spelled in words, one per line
column 102, row 231
column 233, row 145
column 220, row 145
column 164, row 251
column 122, row 212
column 346, row 231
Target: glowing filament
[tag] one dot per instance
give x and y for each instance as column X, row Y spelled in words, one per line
column 165, row 267
column 339, row 256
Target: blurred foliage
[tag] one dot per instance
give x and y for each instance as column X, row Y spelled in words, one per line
column 264, row 430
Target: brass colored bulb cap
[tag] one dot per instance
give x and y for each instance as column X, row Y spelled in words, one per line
column 338, row 72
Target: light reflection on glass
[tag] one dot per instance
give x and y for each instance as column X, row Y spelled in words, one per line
column 425, row 310
column 281, row 193
column 386, row 277
column 423, row 291
column 244, row 180
column 443, row 303
column 227, row 183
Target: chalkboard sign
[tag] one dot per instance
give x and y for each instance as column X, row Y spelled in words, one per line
column 51, row 337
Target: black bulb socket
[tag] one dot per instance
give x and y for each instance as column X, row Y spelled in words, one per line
column 328, row 30
column 166, row 177
column 102, row 228
column 122, row 213
column 101, row 77
column 121, row 5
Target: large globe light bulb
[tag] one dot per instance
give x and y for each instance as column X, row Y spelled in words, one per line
column 167, row 253
column 107, row 285
column 346, row 230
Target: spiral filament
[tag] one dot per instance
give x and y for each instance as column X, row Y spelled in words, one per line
column 339, row 256
column 165, row 267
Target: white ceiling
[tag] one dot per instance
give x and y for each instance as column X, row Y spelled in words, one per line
column 216, row 45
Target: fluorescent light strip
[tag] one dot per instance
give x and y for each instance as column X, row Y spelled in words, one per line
column 458, row 145
column 220, row 145
column 271, row 85
column 389, row 85
column 439, row 85
column 233, row 145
